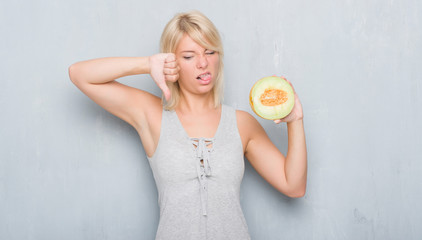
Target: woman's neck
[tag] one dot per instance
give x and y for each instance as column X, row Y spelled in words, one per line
column 196, row 103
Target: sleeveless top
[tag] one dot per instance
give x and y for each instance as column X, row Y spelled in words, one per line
column 198, row 181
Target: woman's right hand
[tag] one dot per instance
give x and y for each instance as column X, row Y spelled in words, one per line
column 163, row 68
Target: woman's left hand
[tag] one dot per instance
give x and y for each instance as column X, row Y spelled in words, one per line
column 296, row 113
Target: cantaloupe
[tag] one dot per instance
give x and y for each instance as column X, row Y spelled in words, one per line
column 272, row 98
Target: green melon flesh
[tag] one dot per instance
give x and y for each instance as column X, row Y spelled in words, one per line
column 272, row 98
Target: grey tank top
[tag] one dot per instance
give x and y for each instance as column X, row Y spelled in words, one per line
column 198, row 181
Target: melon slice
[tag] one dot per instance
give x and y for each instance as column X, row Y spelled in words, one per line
column 272, row 98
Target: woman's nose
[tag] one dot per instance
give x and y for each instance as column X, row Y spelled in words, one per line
column 202, row 61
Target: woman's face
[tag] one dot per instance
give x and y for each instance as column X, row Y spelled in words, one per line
column 198, row 66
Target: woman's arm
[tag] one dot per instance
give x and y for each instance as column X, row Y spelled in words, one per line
column 96, row 78
column 103, row 70
column 287, row 174
column 296, row 159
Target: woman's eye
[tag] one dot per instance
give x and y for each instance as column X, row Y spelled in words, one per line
column 187, row 57
column 210, row 52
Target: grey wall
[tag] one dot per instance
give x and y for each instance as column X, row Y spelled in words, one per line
column 70, row 170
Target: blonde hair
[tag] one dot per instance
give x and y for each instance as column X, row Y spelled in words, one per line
column 202, row 31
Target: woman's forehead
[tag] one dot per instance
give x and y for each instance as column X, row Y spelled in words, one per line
column 187, row 44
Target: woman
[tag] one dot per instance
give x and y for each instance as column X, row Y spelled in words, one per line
column 195, row 145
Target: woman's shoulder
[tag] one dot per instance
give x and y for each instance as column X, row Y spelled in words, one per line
column 148, row 107
column 240, row 114
column 247, row 126
column 245, row 121
column 243, row 115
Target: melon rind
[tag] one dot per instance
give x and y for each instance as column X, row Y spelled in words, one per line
column 271, row 112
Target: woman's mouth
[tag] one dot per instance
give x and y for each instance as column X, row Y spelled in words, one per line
column 204, row 78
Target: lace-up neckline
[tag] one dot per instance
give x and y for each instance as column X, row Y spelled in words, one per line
column 202, row 149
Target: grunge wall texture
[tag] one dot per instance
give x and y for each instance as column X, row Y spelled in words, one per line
column 70, row 170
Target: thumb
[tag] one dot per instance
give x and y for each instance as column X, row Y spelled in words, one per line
column 166, row 91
